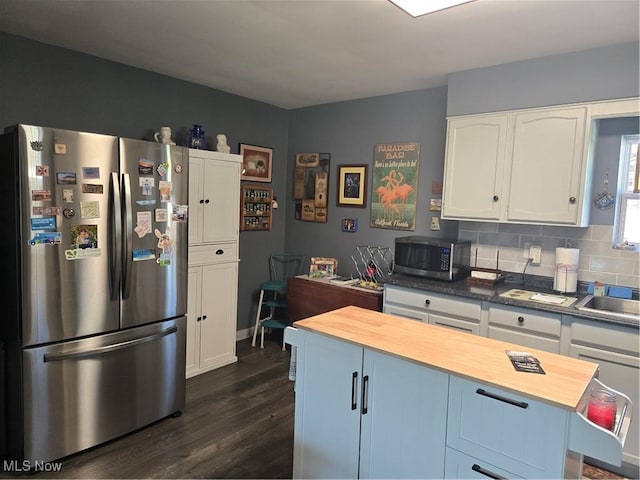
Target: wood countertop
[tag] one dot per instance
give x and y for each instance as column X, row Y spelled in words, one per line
column 458, row 353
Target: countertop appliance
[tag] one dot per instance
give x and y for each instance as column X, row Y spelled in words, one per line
column 435, row 258
column 94, row 240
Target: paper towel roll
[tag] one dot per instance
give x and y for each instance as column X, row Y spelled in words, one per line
column 566, row 270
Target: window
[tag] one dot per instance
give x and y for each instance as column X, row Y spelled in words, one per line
column 627, row 224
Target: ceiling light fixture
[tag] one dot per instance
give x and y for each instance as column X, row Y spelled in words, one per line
column 416, row 8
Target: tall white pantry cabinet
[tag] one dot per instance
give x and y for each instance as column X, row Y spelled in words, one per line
column 214, row 202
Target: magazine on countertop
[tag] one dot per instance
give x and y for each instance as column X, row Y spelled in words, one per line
column 525, row 362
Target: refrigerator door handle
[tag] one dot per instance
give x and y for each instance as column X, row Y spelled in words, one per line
column 115, row 232
column 127, row 237
column 55, row 357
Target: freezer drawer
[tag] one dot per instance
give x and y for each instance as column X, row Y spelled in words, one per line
column 81, row 393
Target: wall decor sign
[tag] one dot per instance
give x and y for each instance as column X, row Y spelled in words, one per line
column 256, row 163
column 352, row 186
column 395, row 185
column 311, row 185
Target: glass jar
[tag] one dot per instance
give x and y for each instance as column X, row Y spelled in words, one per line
column 602, row 408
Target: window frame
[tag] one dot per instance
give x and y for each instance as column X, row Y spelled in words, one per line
column 622, row 194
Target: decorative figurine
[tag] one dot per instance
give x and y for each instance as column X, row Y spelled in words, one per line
column 164, row 136
column 222, row 143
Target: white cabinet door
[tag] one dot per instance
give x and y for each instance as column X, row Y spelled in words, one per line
column 212, row 307
column 222, row 189
column 474, row 167
column 547, row 177
column 218, row 324
column 194, row 305
column 327, row 409
column 214, row 196
column 362, row 413
column 403, row 425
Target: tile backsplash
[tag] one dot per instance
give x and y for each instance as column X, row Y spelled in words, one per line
column 598, row 260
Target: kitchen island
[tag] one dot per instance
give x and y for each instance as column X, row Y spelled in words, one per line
column 382, row 396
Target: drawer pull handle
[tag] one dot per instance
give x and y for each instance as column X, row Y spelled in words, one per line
column 365, row 390
column 354, row 386
column 482, row 391
column 485, row 472
column 219, row 251
column 496, row 198
column 520, row 319
column 427, row 301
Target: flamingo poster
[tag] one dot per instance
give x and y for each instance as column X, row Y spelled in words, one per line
column 395, row 185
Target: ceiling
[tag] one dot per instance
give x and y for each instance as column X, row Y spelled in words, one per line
column 297, row 53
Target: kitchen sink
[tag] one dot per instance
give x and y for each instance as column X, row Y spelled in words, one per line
column 619, row 307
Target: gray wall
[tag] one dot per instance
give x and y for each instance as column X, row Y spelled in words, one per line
column 349, row 131
column 597, row 74
column 50, row 86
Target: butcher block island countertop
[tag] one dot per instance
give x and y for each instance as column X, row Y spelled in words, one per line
column 477, row 358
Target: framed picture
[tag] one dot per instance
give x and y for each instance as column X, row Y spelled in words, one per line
column 350, row 225
column 256, row 163
column 307, row 160
column 352, row 186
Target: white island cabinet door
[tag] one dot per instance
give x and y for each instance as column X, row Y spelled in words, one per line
column 327, row 408
column 403, row 424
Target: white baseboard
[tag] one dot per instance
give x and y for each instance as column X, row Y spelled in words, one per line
column 243, row 334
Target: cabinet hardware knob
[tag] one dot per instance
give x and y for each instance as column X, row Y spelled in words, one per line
column 219, row 251
column 572, row 200
column 520, row 319
column 206, row 200
column 496, row 198
column 198, row 319
column 204, row 317
column 202, row 200
column 427, row 301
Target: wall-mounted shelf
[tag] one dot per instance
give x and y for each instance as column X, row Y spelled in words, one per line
column 255, row 207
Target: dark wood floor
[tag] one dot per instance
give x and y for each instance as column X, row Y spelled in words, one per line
column 237, row 423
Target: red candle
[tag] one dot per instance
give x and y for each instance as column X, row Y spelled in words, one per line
column 602, row 409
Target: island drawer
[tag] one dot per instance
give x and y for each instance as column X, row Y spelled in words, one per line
column 458, row 465
column 523, row 319
column 512, row 432
column 433, row 302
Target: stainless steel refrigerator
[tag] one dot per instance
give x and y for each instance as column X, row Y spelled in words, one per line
column 94, row 238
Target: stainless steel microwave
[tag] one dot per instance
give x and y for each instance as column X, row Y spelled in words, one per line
column 432, row 257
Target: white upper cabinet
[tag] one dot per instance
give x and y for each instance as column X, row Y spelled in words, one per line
column 214, row 194
column 526, row 166
column 548, row 167
column 474, row 167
